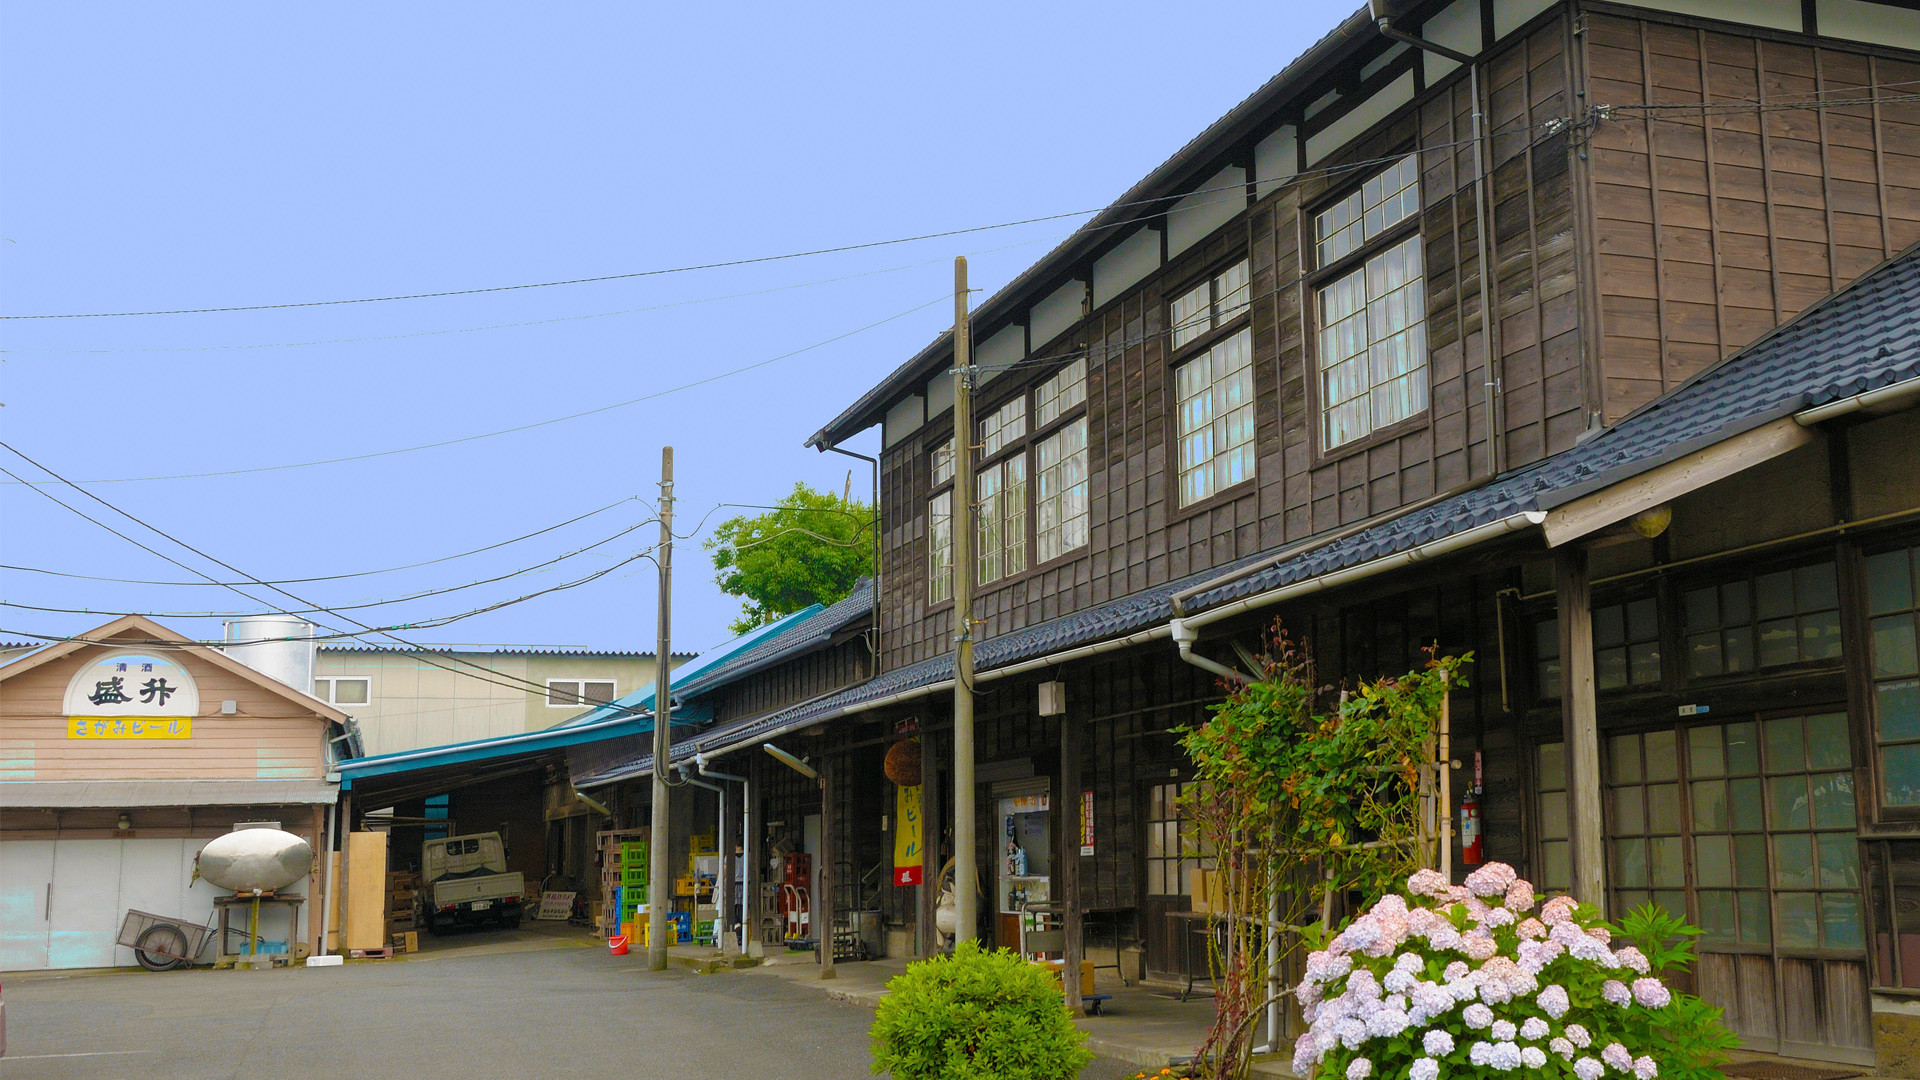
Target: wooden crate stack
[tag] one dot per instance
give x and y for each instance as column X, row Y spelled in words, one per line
column 403, row 894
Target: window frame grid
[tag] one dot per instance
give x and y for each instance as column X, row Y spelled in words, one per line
column 1888, row 671
column 1246, row 449
column 331, row 697
column 579, row 693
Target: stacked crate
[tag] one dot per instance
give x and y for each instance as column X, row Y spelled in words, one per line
column 634, row 863
column 403, row 902
column 613, row 868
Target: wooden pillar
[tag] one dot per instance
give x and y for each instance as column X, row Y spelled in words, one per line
column 315, row 877
column 823, row 903
column 1069, row 862
column 1580, row 718
column 724, row 888
column 930, row 847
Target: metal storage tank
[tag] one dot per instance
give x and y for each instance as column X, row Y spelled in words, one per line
column 279, row 647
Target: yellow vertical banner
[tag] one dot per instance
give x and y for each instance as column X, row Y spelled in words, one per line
column 906, row 836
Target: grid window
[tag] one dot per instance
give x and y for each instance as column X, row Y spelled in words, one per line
column 1003, row 427
column 941, row 463
column 1215, row 399
column 1211, row 304
column 1896, row 673
column 1555, row 873
column 343, row 689
column 1060, row 503
column 1373, row 345
column 579, row 693
column 1001, row 524
column 1381, row 203
column 940, row 547
column 1786, row 617
column 1174, row 845
column 1816, row 873
column 1626, row 645
column 1061, row 394
column 1546, row 658
column 1649, row 860
column 1728, row 814
column 1893, row 875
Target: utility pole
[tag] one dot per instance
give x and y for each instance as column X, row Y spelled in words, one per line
column 965, row 874
column 659, row 873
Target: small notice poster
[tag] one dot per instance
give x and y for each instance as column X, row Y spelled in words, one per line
column 1086, row 823
column 555, row 906
column 906, row 838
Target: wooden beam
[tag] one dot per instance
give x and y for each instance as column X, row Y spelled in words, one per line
column 1067, row 821
column 1581, row 720
column 928, row 937
column 1664, row 483
column 823, row 880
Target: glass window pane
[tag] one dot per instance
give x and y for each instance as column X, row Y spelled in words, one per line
column 1643, row 620
column 1668, row 856
column 1779, row 642
column 1662, row 763
column 1716, row 916
column 1610, row 625
column 1744, row 804
column 1839, row 861
column 1900, row 774
column 1799, row 921
column 1673, row 902
column 1793, row 861
column 1553, row 815
column 1629, row 813
column 1815, row 588
column 1713, row 864
column 1610, row 668
column 1706, row 753
column 1624, row 757
column 1773, row 594
column 1743, row 749
column 354, row 691
column 1827, row 742
column 1899, row 709
column 1663, row 808
column 1703, row 654
column 1736, row 603
column 1756, row 922
column 1785, row 750
column 1632, row 855
column 1553, row 765
column 1709, row 799
column 1889, row 582
column 1789, row 798
column 1893, row 646
column 1833, row 806
column 1703, row 609
column 1820, row 636
column 1750, row 860
column 1737, row 653
column 1630, row 899
column 1840, row 921
column 1558, row 864
column 1643, row 663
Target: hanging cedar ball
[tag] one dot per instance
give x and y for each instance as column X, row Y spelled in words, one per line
column 903, row 762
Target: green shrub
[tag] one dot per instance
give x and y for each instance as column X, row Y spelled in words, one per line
column 976, row 1015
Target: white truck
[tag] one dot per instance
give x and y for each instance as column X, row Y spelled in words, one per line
column 466, row 883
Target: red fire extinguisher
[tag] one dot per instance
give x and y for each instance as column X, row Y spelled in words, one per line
column 1472, row 851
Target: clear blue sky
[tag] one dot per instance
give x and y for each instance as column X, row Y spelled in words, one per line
column 168, row 156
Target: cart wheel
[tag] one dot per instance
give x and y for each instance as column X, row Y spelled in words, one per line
column 161, row 947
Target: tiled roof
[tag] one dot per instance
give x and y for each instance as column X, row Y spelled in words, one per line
column 1865, row 337
column 802, row 638
column 499, row 651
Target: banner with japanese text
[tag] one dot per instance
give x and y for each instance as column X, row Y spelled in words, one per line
column 906, row 837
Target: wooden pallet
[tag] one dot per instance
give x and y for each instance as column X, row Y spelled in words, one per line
column 371, row 954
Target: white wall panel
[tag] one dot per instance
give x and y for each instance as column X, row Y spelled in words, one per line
column 1878, row 24
column 1276, row 158
column 1456, row 26
column 1212, row 204
column 903, row 419
column 1358, row 119
column 1126, row 265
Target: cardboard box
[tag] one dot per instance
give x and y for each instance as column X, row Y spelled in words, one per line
column 1055, row 967
column 407, row 942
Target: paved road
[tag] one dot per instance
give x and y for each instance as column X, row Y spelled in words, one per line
column 517, row 1011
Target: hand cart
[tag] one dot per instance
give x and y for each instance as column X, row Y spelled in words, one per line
column 160, row 942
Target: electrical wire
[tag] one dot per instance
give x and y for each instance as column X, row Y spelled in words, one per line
column 943, row 298
column 484, row 675
column 342, row 577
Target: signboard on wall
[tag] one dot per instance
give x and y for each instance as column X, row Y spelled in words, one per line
column 1086, row 822
column 906, row 837
column 131, row 695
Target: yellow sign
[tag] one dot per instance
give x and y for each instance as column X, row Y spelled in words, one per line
column 130, row 727
column 906, row 838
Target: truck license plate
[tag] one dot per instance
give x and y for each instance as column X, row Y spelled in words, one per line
column 482, row 905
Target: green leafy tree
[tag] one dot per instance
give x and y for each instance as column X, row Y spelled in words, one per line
column 810, row 549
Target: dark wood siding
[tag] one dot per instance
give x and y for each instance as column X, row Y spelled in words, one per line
column 1715, row 225
column 798, row 679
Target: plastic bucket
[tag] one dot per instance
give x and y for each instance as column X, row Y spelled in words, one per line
column 617, row 945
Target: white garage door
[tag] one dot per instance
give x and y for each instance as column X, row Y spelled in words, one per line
column 62, row 901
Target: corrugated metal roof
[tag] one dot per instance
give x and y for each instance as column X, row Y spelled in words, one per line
column 1863, row 338
column 476, row 650
column 113, row 794
column 804, row 637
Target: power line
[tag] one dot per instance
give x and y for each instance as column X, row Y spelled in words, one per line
column 522, row 427
column 340, row 577
column 227, row 566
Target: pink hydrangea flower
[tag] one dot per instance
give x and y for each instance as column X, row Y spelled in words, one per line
column 1519, row 896
column 1534, row 1029
column 1455, row 971
column 1557, row 910
column 1650, row 993
column 1533, row 1057
column 1563, row 1047
column 1491, row 879
column 1479, row 948
column 1531, row 929
column 1499, row 917
column 1426, row 882
column 1424, row 1069
column 1359, row 1069
column 1616, row 992
column 1437, row 1043
column 1645, row 1067
column 1588, row 1069
column 1503, row 1030
column 1600, row 934
column 1553, row 1001
column 1617, row 1057
column 1577, row 1034
column 1476, row 1016
column 1633, row 959
column 1398, row 981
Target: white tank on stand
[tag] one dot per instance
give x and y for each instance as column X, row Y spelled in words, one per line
column 277, row 646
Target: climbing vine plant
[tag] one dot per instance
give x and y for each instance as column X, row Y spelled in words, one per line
column 1304, row 792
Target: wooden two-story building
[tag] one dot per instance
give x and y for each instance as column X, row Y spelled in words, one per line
column 1579, row 335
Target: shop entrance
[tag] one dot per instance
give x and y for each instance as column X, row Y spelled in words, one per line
column 1023, row 817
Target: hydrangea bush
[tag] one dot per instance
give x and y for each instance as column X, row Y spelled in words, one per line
column 1472, row 980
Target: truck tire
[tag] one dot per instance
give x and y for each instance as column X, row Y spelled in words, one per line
column 440, row 925
column 511, row 921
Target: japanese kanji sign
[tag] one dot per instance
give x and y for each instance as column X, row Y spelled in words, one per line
column 132, row 696
column 906, row 837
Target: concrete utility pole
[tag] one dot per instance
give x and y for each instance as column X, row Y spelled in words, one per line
column 965, row 874
column 659, row 872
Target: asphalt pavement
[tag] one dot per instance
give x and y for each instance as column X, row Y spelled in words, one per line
column 513, row 1009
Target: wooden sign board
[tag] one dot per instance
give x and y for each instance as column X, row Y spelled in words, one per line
column 555, row 906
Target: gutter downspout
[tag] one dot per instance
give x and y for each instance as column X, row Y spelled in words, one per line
column 1496, row 441
column 1184, row 636
column 746, row 834
column 722, row 891
column 874, row 668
